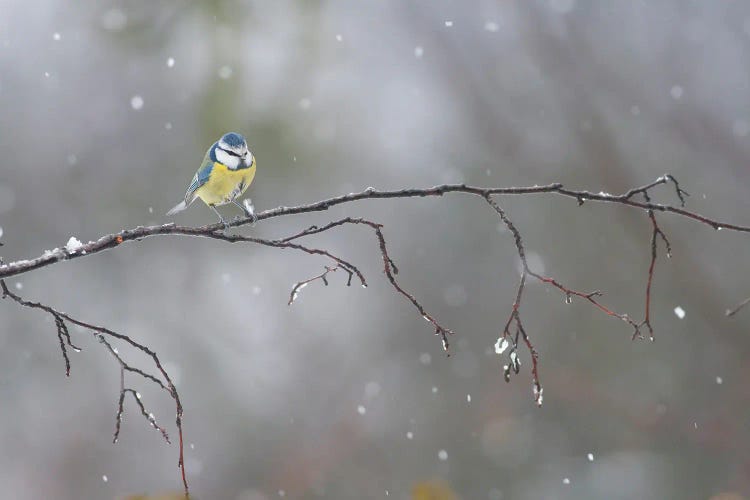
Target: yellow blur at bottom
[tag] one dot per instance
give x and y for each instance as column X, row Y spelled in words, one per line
column 434, row 489
column 160, row 496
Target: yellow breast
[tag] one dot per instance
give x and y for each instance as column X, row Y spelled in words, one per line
column 224, row 184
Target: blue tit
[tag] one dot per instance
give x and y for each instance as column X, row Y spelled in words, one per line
column 225, row 173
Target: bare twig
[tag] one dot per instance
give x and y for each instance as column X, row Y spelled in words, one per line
column 136, row 395
column 656, row 233
column 389, row 268
column 738, row 307
column 515, row 315
column 341, row 263
column 297, row 288
column 101, row 332
column 514, row 320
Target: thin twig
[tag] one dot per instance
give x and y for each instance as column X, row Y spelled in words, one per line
column 389, row 268
column 512, row 338
column 100, row 332
column 738, row 308
column 656, row 232
column 515, row 315
column 236, row 238
column 297, row 288
column 136, row 395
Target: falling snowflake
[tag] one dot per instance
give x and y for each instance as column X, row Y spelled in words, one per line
column 679, row 312
column 136, row 102
column 225, row 72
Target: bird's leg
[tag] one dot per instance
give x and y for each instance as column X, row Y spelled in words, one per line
column 221, row 219
column 247, row 209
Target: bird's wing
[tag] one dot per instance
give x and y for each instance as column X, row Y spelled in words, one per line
column 201, row 177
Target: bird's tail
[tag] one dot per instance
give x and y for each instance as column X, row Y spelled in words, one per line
column 178, row 208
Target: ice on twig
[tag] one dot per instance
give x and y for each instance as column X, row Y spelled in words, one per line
column 501, row 345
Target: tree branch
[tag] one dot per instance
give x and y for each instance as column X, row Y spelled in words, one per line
column 213, row 230
column 101, row 333
column 513, row 334
column 738, row 307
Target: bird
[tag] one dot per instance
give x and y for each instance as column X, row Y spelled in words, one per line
column 226, row 172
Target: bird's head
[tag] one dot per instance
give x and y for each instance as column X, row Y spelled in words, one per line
column 232, row 151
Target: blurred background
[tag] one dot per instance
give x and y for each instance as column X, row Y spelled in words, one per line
column 107, row 108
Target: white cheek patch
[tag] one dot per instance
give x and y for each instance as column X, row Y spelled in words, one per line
column 225, row 158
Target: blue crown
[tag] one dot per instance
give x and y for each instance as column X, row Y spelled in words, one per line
column 233, row 140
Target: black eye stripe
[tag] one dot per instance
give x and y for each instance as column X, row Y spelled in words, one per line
column 231, row 153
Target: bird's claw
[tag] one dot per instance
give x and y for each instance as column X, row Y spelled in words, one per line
column 224, row 226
